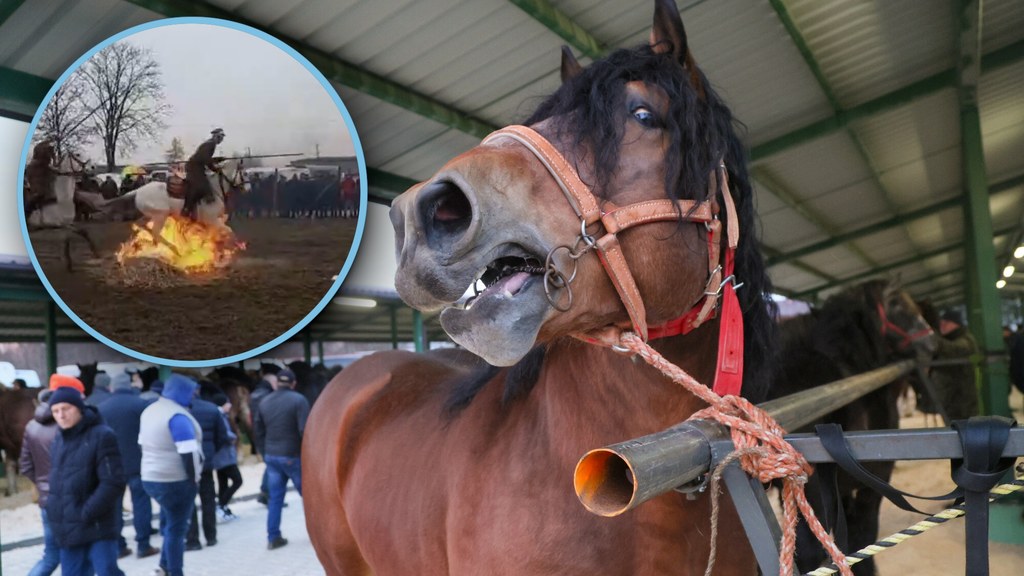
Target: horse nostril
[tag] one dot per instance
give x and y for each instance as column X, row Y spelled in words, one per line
column 445, row 211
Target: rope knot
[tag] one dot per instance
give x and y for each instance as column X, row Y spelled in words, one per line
column 762, row 451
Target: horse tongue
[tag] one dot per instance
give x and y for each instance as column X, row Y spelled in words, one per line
column 513, row 283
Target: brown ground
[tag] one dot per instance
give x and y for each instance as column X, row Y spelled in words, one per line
column 286, row 269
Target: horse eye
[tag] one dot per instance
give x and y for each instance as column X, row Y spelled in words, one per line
column 645, row 117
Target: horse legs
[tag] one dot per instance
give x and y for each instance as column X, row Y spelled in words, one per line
column 154, row 232
column 11, row 470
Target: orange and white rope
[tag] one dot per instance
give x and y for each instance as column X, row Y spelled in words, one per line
column 763, row 453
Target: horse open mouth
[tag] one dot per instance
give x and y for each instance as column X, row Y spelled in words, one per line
column 506, row 276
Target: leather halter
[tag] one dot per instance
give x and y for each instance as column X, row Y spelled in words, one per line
column 614, row 219
column 908, row 338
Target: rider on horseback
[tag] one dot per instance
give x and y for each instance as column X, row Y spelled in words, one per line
column 198, row 188
column 40, row 176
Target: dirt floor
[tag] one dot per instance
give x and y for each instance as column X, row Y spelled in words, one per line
column 285, row 270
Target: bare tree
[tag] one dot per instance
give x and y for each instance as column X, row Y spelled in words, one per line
column 127, row 86
column 66, row 119
column 176, row 153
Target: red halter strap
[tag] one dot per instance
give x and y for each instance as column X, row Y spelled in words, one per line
column 614, row 219
column 908, row 338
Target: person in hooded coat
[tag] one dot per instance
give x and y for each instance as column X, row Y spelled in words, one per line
column 86, row 482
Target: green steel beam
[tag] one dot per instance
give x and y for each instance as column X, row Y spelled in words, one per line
column 895, row 221
column 772, row 252
column 892, row 266
column 805, row 52
column 8, row 7
column 22, row 92
column 51, row 337
column 562, row 25
column 24, row 295
column 339, row 70
column 826, row 87
column 926, row 86
column 389, row 182
column 984, row 309
column 766, row 178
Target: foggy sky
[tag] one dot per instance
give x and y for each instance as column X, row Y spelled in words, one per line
column 217, row 77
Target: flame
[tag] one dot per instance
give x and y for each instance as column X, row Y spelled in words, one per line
column 198, row 247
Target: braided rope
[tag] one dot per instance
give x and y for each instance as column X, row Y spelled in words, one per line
column 765, row 453
column 920, row 527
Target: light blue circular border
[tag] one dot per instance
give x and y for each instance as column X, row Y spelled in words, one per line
column 361, row 161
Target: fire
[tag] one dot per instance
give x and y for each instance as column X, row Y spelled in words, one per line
column 197, row 247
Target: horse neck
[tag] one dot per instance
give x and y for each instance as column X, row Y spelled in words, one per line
column 600, row 396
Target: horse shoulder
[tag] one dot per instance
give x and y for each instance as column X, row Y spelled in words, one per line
column 347, row 438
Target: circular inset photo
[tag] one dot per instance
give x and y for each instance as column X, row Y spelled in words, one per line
column 192, row 192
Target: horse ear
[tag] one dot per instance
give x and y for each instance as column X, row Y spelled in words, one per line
column 570, row 65
column 669, row 37
column 668, row 34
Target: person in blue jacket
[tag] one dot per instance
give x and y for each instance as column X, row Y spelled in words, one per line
column 86, row 482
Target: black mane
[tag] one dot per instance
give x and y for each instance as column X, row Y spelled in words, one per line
column 588, row 111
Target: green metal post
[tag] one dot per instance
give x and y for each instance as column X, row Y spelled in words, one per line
column 419, row 336
column 165, row 373
column 320, row 350
column 983, row 306
column 51, row 338
column 394, row 326
column 307, row 347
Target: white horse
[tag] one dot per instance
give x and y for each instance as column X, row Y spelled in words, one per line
column 61, row 214
column 156, row 205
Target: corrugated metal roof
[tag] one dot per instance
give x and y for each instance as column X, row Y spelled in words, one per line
column 489, row 59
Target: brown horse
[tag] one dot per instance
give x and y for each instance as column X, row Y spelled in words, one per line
column 16, row 409
column 455, row 463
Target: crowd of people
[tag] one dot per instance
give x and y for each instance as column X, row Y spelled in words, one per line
column 166, row 445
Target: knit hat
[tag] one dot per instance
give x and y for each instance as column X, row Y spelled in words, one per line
column 953, row 316
column 60, row 380
column 68, row 395
column 102, row 380
column 286, row 376
column 121, row 381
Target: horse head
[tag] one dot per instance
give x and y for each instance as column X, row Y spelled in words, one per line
column 229, row 178
column 535, row 212
column 903, row 325
column 87, row 375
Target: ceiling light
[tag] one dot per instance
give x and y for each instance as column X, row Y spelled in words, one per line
column 1008, row 271
column 1019, row 252
column 356, row 302
column 1000, row 284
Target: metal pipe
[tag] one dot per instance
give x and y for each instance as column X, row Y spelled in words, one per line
column 798, row 410
column 612, row 480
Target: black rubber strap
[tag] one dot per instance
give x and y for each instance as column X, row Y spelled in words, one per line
column 834, row 442
column 983, row 439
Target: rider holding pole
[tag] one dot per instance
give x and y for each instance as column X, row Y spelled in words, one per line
column 195, row 172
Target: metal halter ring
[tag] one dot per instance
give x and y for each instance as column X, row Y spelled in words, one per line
column 555, row 280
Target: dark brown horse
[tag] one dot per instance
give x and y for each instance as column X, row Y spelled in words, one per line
column 462, row 462
column 16, row 409
column 861, row 328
